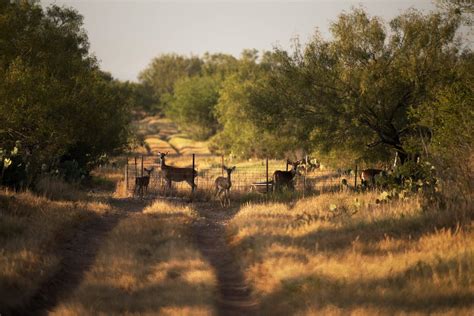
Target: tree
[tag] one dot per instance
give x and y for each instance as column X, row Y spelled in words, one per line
column 219, row 65
column 450, row 116
column 355, row 92
column 192, row 106
column 164, row 71
column 238, row 134
column 54, row 100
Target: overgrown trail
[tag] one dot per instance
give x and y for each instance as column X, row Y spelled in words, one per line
column 235, row 297
column 78, row 254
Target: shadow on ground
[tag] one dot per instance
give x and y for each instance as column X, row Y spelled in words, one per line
column 234, row 297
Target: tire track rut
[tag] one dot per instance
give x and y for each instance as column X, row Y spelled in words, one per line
column 78, row 254
column 235, row 297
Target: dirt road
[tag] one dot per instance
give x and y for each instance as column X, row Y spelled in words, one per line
column 78, row 254
column 235, row 297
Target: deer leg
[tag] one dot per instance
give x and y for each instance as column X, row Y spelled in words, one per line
column 218, row 195
column 227, row 194
column 191, row 183
column 168, row 184
column 222, row 197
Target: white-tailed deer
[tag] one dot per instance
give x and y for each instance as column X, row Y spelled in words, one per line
column 285, row 178
column 310, row 165
column 141, row 183
column 367, row 176
column 223, row 186
column 175, row 174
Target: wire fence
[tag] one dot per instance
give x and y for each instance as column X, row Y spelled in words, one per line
column 255, row 176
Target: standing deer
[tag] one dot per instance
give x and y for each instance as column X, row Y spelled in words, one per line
column 223, row 185
column 285, row 178
column 141, row 183
column 367, row 176
column 175, row 174
column 309, row 165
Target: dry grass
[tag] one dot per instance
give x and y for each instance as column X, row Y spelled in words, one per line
column 56, row 189
column 155, row 132
column 147, row 265
column 32, row 228
column 187, row 146
column 342, row 254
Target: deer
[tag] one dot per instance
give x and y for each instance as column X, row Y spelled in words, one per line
column 175, row 174
column 141, row 183
column 285, row 178
column 309, row 165
column 367, row 176
column 223, row 186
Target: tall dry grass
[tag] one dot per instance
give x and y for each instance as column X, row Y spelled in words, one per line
column 32, row 228
column 339, row 254
column 54, row 188
column 147, row 265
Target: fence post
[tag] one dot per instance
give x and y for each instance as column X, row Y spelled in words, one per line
column 126, row 176
column 304, row 176
column 136, row 167
column 355, row 178
column 286, row 164
column 141, row 173
column 266, row 172
column 192, row 190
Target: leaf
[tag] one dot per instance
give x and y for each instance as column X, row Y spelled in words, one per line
column 332, row 207
column 7, row 162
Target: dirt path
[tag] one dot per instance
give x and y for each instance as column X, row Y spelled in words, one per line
column 235, row 297
column 78, row 254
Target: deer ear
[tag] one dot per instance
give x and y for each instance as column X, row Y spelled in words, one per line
column 167, row 153
column 233, row 168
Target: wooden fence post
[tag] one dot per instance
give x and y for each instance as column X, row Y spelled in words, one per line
column 141, row 173
column 304, row 176
column 126, row 176
column 136, row 167
column 266, row 172
column 355, row 178
column 192, row 190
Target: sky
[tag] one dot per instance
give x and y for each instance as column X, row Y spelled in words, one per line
column 126, row 35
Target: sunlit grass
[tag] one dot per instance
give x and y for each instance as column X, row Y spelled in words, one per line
column 187, row 146
column 147, row 265
column 31, row 230
column 343, row 254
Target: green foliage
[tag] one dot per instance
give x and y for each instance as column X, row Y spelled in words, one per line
column 140, row 96
column 450, row 116
column 192, row 106
column 219, row 65
column 53, row 97
column 13, row 167
column 164, row 71
column 238, row 133
column 407, row 179
column 358, row 88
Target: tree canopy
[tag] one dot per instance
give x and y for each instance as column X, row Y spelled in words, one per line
column 54, row 99
column 357, row 90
